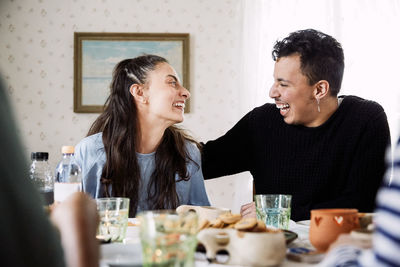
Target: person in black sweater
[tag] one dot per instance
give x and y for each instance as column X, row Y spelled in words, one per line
column 324, row 150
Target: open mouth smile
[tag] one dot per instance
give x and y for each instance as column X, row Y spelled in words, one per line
column 180, row 105
column 283, row 108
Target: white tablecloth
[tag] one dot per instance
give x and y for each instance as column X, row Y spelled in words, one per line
column 129, row 254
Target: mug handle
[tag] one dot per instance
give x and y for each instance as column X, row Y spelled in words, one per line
column 186, row 208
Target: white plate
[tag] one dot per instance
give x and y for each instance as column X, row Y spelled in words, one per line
column 119, row 254
column 292, row 224
column 305, row 222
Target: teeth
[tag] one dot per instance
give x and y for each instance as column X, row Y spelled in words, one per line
column 179, row 104
column 282, row 106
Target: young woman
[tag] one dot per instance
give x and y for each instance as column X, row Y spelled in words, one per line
column 133, row 148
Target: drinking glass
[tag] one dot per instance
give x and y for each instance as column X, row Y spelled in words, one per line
column 113, row 213
column 168, row 238
column 274, row 210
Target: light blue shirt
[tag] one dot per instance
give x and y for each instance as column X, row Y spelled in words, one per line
column 90, row 155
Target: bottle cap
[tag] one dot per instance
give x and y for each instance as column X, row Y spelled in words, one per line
column 67, row 150
column 39, row 155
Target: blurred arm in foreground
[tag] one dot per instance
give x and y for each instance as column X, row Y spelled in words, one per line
column 28, row 237
column 76, row 219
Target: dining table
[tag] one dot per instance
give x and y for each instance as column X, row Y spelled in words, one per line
column 128, row 253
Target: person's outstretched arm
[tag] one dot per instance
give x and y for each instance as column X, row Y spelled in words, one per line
column 230, row 153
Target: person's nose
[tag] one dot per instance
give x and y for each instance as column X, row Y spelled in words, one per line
column 185, row 92
column 273, row 92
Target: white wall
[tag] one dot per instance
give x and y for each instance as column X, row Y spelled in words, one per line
column 36, row 63
column 36, row 60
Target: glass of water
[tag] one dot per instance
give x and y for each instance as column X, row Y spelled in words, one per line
column 113, row 213
column 274, row 210
column 168, row 238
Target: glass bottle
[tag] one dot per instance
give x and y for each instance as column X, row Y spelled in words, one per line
column 68, row 175
column 41, row 176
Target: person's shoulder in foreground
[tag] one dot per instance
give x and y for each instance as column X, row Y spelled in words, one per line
column 27, row 236
column 386, row 237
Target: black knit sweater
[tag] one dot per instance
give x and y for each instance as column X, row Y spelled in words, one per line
column 338, row 164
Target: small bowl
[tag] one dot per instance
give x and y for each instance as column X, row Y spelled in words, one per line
column 244, row 248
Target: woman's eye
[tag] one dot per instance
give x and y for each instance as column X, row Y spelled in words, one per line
column 173, row 83
column 283, row 85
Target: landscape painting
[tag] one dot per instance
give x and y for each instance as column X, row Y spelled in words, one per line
column 96, row 55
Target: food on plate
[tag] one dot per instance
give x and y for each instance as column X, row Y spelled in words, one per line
column 246, row 224
column 217, row 223
column 260, row 227
column 204, row 224
column 230, row 218
column 235, row 221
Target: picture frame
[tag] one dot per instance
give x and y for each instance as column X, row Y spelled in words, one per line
column 97, row 53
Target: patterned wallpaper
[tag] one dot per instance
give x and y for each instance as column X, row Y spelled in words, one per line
column 36, row 62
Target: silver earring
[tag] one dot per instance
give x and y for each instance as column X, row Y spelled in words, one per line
column 319, row 110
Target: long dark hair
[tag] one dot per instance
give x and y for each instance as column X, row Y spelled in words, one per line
column 119, row 124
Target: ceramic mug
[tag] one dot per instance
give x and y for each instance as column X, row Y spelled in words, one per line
column 327, row 224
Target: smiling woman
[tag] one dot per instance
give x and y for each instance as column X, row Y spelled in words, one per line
column 167, row 103
column 133, row 148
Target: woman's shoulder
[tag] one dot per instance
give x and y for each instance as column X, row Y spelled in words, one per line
column 90, row 152
column 90, row 144
column 192, row 148
column 193, row 153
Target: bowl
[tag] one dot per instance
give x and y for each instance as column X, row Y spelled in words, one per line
column 244, row 248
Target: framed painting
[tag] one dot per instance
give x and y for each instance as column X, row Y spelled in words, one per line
column 96, row 54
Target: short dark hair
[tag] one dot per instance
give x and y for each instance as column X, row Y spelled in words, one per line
column 321, row 56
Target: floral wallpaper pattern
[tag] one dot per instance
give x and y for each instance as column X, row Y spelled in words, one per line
column 36, row 62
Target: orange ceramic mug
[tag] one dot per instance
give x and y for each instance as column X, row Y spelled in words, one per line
column 327, row 224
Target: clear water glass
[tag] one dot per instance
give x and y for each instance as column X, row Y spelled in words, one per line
column 274, row 210
column 113, row 214
column 168, row 238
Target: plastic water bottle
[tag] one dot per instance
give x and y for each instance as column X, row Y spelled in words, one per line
column 41, row 176
column 68, row 175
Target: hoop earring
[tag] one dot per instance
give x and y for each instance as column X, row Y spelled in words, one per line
column 319, row 110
